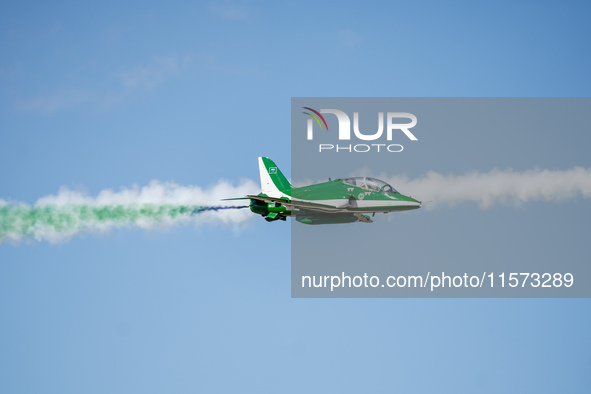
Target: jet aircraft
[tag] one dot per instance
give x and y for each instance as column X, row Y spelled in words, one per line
column 337, row 201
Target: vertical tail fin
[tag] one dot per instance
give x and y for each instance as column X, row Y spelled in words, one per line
column 273, row 183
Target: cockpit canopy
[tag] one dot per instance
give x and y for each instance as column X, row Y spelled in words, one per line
column 370, row 183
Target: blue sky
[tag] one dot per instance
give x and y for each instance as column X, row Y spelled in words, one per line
column 109, row 95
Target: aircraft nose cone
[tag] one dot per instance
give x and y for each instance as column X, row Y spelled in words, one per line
column 411, row 203
column 415, row 204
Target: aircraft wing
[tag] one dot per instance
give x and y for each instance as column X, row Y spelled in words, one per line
column 307, row 217
column 305, row 207
column 299, row 204
column 313, row 213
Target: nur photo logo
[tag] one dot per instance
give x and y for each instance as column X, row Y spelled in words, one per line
column 391, row 123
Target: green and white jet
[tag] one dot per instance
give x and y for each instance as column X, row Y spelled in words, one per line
column 339, row 201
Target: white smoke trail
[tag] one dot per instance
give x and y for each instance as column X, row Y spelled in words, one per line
column 495, row 187
column 56, row 218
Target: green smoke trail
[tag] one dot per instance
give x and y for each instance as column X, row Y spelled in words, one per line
column 57, row 222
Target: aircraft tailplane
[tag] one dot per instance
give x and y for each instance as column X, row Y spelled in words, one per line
column 273, row 182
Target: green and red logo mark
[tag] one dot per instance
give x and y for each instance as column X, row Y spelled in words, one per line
column 315, row 118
